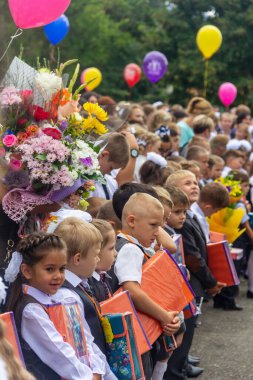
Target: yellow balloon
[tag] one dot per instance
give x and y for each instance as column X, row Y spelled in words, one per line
column 209, row 39
column 92, row 75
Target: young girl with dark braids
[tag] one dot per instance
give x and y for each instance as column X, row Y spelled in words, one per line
column 38, row 268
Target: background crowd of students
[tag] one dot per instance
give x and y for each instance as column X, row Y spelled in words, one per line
column 160, row 163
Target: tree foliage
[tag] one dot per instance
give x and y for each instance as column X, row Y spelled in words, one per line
column 109, row 34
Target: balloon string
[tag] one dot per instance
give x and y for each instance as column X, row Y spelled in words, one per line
column 205, row 77
column 18, row 33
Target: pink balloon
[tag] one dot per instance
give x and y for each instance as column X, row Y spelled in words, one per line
column 227, row 93
column 34, row 13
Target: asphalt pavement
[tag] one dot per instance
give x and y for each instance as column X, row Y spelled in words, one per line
column 224, row 341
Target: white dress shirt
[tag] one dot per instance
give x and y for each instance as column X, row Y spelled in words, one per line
column 129, row 260
column 43, row 338
column 111, row 185
column 202, row 220
column 97, row 359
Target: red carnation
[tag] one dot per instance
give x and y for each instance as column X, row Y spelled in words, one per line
column 39, row 114
column 53, row 132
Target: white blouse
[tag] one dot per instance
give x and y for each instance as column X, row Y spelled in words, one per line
column 97, row 358
column 43, row 338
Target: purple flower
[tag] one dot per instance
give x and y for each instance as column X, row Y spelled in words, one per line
column 86, row 161
column 63, row 126
column 68, row 139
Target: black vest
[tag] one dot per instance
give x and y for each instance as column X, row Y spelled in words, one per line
column 91, row 316
column 120, row 242
column 98, row 289
column 33, row 363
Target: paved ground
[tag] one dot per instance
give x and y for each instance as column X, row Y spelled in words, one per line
column 225, row 341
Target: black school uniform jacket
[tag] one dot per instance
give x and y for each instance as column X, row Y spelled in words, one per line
column 195, row 251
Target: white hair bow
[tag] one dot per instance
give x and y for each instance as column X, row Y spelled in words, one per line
column 13, row 269
column 157, row 159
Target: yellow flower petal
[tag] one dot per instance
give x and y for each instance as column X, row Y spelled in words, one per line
column 99, row 128
column 95, row 110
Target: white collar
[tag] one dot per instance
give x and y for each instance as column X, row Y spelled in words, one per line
column 72, row 278
column 190, row 213
column 133, row 240
column 197, row 210
column 45, row 299
column 96, row 275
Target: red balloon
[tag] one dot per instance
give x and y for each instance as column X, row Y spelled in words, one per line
column 132, row 74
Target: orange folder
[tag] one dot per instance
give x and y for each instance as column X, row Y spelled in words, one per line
column 67, row 321
column 11, row 334
column 220, row 263
column 165, row 284
column 215, row 237
column 121, row 303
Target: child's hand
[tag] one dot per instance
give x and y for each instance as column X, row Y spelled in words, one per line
column 216, row 289
column 172, row 324
column 96, row 376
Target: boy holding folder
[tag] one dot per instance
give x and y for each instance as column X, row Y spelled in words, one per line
column 195, row 235
column 141, row 219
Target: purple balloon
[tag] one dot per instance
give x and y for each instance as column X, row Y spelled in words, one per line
column 154, row 65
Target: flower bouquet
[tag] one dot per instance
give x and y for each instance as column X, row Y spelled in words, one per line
column 47, row 142
column 228, row 220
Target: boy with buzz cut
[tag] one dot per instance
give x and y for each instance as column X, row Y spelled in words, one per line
column 142, row 217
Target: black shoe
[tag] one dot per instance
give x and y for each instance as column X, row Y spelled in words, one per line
column 192, row 371
column 249, row 294
column 233, row 307
column 194, row 360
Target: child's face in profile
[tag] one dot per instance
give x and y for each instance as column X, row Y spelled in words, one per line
column 48, row 274
column 107, row 254
column 146, row 228
column 177, row 217
column 216, row 170
column 236, row 163
column 245, row 187
column 86, row 265
column 189, row 186
column 107, row 166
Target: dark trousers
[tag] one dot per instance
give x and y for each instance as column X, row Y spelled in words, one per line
column 178, row 360
column 147, row 365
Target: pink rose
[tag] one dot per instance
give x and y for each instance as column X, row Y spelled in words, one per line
column 9, row 140
column 15, row 164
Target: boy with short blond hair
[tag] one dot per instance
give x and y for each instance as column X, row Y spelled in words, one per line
column 83, row 242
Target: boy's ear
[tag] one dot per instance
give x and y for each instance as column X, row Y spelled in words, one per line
column 76, row 259
column 26, row 271
column 105, row 154
column 131, row 220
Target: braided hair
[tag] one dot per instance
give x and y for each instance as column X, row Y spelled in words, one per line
column 32, row 248
column 35, row 246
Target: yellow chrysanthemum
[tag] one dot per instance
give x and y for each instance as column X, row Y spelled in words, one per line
column 88, row 124
column 95, row 110
column 99, row 128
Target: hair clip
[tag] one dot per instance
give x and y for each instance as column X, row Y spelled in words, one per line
column 141, row 142
column 162, row 131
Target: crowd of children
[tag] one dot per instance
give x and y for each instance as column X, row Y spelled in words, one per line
column 161, row 167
